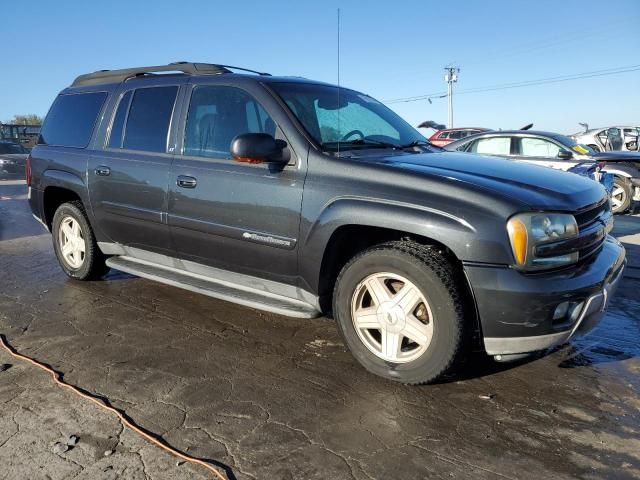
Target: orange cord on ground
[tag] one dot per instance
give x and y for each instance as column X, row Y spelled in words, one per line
column 101, row 403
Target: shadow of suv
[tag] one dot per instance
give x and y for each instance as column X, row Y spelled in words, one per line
column 302, row 198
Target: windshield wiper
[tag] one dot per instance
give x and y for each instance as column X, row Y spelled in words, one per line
column 369, row 142
column 417, row 143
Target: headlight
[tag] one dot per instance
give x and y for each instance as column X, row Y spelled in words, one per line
column 528, row 230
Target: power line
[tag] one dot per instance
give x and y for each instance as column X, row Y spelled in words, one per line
column 525, row 83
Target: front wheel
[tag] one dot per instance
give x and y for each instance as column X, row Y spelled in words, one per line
column 621, row 195
column 399, row 309
column 74, row 243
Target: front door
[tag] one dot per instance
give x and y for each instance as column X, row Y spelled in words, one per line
column 541, row 151
column 128, row 179
column 235, row 216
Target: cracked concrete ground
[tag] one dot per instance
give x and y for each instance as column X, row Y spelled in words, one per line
column 271, row 397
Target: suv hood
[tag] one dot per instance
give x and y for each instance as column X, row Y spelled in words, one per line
column 534, row 186
column 616, row 156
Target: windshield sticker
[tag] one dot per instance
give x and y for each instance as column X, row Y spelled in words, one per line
column 580, row 149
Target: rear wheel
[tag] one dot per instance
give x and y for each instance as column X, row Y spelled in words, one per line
column 621, row 195
column 399, row 310
column 74, row 243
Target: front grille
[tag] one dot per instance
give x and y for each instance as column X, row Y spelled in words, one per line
column 593, row 226
column 594, row 223
column 586, row 217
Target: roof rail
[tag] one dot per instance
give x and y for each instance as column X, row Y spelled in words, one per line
column 117, row 76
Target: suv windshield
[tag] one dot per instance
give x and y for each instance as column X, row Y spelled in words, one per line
column 338, row 118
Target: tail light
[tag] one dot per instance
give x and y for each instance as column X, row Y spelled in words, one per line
column 27, row 170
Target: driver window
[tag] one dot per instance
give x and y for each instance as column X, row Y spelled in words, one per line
column 217, row 115
column 537, row 147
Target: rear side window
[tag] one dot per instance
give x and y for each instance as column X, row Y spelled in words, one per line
column 149, row 118
column 71, row 120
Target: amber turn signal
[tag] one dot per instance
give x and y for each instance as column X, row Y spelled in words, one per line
column 519, row 239
column 248, row 160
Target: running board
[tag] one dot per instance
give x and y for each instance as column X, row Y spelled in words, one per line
column 230, row 292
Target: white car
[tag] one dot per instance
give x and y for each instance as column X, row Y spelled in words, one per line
column 560, row 152
column 610, row 138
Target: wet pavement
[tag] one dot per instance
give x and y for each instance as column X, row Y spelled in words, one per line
column 269, row 397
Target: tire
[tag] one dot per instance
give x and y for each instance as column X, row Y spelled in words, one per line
column 440, row 312
column 71, row 227
column 621, row 195
column 594, row 148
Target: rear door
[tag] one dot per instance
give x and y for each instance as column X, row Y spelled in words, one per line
column 542, row 151
column 128, row 179
column 236, row 216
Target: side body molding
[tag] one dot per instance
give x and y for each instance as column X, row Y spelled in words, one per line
column 454, row 232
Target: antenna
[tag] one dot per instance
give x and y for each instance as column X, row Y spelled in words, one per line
column 339, row 127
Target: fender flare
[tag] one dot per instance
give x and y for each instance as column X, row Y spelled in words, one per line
column 443, row 227
column 68, row 181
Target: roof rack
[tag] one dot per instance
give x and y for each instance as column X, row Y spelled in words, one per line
column 117, row 76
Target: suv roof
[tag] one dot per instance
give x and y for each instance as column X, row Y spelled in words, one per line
column 102, row 77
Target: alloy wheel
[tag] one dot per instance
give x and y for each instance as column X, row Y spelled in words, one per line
column 392, row 317
column 71, row 242
column 618, row 197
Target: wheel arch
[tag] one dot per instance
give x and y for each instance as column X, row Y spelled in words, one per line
column 59, row 187
column 348, row 226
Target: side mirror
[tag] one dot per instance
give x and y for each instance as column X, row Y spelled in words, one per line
column 564, row 155
column 258, row 148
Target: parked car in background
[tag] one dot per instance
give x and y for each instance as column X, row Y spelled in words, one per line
column 279, row 194
column 610, row 138
column 560, row 152
column 444, row 137
column 12, row 157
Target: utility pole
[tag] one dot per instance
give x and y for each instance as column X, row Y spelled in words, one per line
column 451, row 77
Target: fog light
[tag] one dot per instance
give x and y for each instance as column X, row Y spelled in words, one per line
column 575, row 311
column 561, row 311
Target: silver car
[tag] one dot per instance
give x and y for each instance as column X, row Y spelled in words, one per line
column 610, row 138
column 558, row 151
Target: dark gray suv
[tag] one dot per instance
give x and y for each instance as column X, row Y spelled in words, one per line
column 302, row 198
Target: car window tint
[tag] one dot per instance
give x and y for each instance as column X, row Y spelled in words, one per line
column 71, row 119
column 443, row 135
column 149, row 118
column 10, row 148
column 115, row 138
column 538, row 147
column 352, row 118
column 217, row 115
column 492, row 146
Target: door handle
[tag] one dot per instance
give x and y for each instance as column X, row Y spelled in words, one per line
column 185, row 181
column 103, row 171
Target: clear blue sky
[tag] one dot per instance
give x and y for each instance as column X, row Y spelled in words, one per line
column 388, row 49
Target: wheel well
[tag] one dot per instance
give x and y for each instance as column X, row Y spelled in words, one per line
column 53, row 198
column 349, row 240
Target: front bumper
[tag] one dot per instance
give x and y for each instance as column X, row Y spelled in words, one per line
column 516, row 310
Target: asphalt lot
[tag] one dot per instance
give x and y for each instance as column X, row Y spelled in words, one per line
column 269, row 397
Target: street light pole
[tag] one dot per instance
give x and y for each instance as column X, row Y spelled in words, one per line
column 451, row 77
